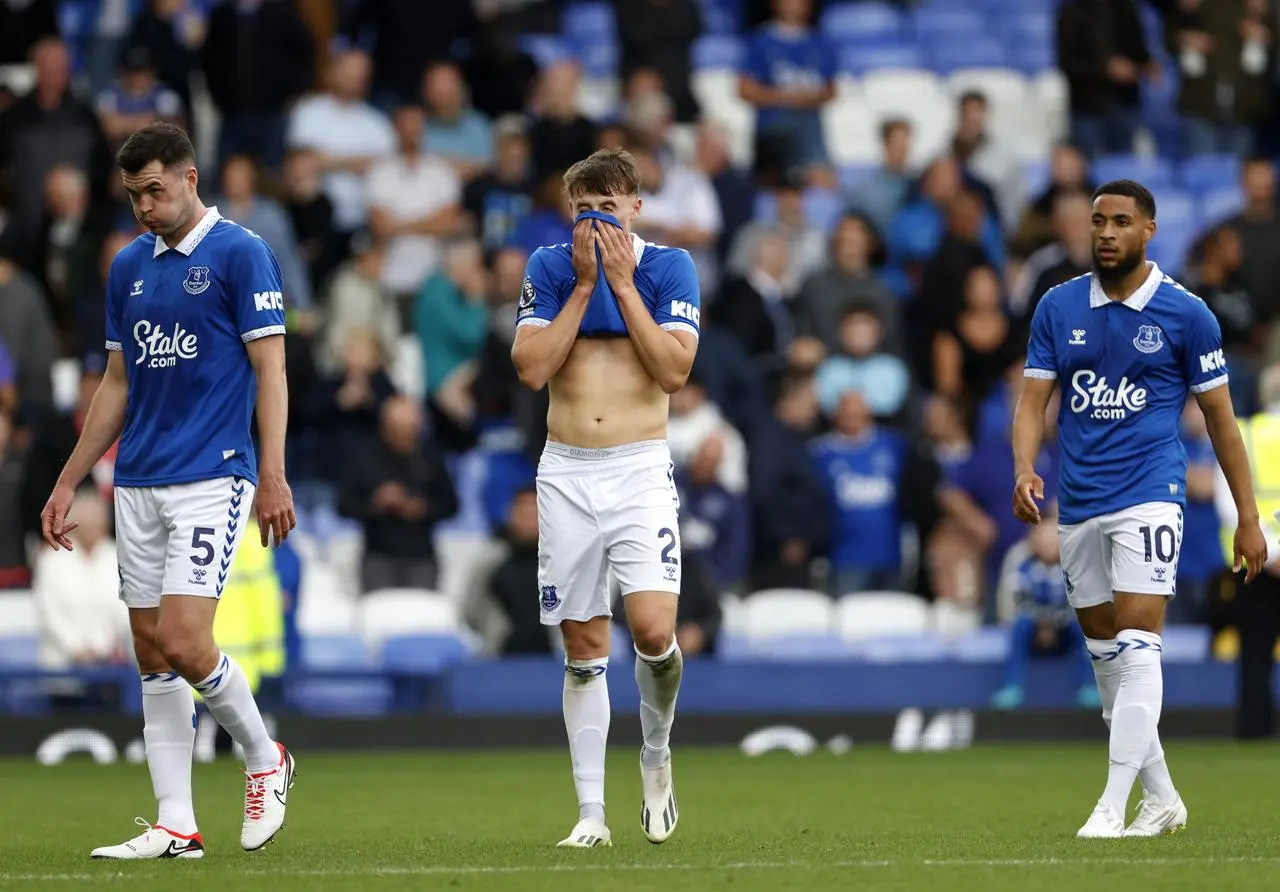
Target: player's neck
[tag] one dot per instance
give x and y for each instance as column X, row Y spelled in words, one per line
column 1124, row 287
column 198, row 210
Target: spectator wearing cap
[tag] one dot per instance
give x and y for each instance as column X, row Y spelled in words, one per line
column 496, row 201
column 848, row 278
column 863, row 366
column 136, row 98
column 455, row 132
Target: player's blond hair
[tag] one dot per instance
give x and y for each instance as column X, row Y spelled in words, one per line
column 605, row 172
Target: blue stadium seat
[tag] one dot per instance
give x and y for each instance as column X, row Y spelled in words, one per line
column 1169, row 247
column 336, row 653
column 858, row 60
column 1205, row 173
column 1038, row 174
column 986, row 645
column 545, row 49
column 935, row 24
column 862, row 22
column 927, row 648
column 585, row 22
column 1175, row 207
column 19, row 652
column 1153, row 173
column 1220, row 204
column 972, row 51
column 717, row 51
column 599, row 58
column 806, row 647
column 423, row 654
column 1031, row 58
column 340, row 697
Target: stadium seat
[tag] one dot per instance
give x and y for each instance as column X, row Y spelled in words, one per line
column 1169, row 247
column 1006, row 90
column 953, row 54
column 1185, row 644
column 852, row 131
column 1038, row 174
column 1220, row 204
column 798, row 648
column 1152, row 172
column 598, row 58
column 462, row 556
column 872, row 614
column 584, row 23
column 936, row 23
column 336, row 653
column 18, row 650
column 66, row 374
column 423, row 654
column 324, row 607
column 1206, row 173
column 390, row 613
column 18, row 616
column 858, row 60
column 864, row 22
column 1049, row 93
column 773, row 613
column 408, row 370
column 717, row 52
column 1175, row 207
column 345, row 698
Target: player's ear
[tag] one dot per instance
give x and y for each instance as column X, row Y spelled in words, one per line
column 635, row 208
column 1151, row 229
column 192, row 177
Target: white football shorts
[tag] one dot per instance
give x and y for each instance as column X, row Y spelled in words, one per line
column 179, row 539
column 1134, row 550
column 602, row 512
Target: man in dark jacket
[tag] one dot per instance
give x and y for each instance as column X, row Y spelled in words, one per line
column 399, row 489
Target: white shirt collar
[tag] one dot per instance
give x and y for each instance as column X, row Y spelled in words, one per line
column 1137, row 301
column 194, row 237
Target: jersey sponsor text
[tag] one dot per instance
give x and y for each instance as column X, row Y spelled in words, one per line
column 1107, row 402
column 161, row 349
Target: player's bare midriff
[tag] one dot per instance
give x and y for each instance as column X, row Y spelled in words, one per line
column 602, row 396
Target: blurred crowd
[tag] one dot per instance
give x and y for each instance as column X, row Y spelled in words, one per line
column 846, row 426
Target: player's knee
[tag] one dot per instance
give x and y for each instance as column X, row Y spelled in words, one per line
column 653, row 639
column 187, row 653
column 146, row 649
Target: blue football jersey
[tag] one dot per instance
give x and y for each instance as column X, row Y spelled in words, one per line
column 861, row 477
column 788, row 59
column 181, row 316
column 1124, row 368
column 665, row 277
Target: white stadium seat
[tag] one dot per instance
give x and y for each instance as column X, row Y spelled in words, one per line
column 777, row 612
column 852, row 130
column 324, row 606
column 398, row 612
column 875, row 614
column 66, row 375
column 408, row 368
column 18, row 614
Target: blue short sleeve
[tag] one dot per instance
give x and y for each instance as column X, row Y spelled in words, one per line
column 679, row 302
column 540, row 298
column 1204, row 363
column 1041, row 361
column 257, row 294
column 117, row 293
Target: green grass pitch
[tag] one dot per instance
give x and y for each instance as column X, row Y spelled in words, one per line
column 990, row 818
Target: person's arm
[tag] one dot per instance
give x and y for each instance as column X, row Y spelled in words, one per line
column 1039, row 375
column 257, row 302
column 948, row 364
column 547, row 324
column 666, row 340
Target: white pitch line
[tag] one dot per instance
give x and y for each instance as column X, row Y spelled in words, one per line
column 465, row 870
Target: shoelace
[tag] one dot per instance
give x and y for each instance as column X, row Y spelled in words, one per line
column 255, row 791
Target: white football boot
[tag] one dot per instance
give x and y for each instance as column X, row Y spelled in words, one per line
column 264, row 801
column 1104, row 823
column 1155, row 818
column 154, row 843
column 587, row 834
column 658, row 813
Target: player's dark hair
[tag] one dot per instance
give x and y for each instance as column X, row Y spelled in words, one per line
column 604, row 172
column 1140, row 194
column 163, row 142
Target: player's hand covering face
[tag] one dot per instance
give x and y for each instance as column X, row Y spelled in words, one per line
column 584, row 253
column 617, row 255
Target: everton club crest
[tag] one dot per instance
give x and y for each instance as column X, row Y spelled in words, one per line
column 1149, row 338
column 197, row 280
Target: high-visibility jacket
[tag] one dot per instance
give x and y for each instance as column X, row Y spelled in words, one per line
column 1261, row 435
column 249, row 624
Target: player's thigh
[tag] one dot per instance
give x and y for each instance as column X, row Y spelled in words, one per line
column 641, row 526
column 142, row 540
column 572, row 577
column 206, row 521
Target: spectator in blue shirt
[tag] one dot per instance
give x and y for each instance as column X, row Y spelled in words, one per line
column 714, row 522
column 456, row 132
column 1044, row 624
column 789, row 76
column 880, row 194
column 1201, row 559
column 879, row 377
column 861, row 465
column 497, row 201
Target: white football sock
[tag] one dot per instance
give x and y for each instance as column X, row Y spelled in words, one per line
column 1136, row 713
column 169, row 733
column 226, row 693
column 586, row 719
column 659, row 681
column 1106, row 669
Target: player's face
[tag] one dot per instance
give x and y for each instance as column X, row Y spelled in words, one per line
column 625, row 207
column 162, row 197
column 1120, row 234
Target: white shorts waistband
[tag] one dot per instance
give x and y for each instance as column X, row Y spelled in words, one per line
column 561, row 458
